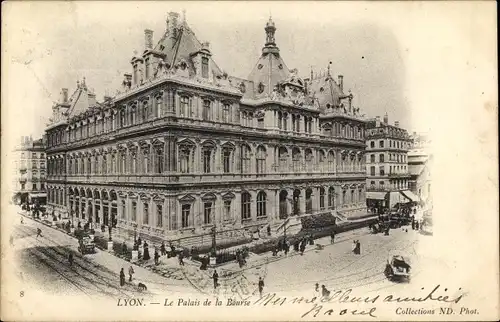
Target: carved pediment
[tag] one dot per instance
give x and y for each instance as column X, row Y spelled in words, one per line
column 187, row 199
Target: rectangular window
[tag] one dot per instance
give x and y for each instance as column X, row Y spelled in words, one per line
column 381, row 143
column 207, row 213
column 372, row 171
column 206, row 160
column 322, row 201
column 382, row 171
column 260, row 123
column 227, row 209
column 42, row 186
column 372, row 158
column 186, row 209
column 184, row 160
column 226, row 113
column 159, row 216
column 159, row 161
column 145, row 218
column 184, row 106
column 226, row 157
column 206, row 115
column 381, row 158
column 204, row 67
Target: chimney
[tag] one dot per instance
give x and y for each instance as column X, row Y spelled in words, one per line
column 173, row 18
column 64, row 96
column 386, row 118
column 341, row 82
column 148, row 39
column 396, row 123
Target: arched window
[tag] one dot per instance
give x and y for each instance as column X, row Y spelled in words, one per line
column 89, row 165
column 261, row 204
column 321, row 198
column 226, row 113
column 331, row 161
column 145, row 110
column 261, row 160
column 145, row 212
column 331, row 198
column 283, row 159
column 309, row 160
column 285, row 119
column 309, row 207
column 245, row 205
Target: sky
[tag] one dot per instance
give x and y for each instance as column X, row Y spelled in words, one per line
column 392, row 55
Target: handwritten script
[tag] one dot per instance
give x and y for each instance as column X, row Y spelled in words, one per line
column 324, row 305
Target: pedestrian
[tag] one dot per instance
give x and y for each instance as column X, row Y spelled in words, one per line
column 70, row 259
column 122, row 277
column 354, row 246
column 162, row 249
column 130, row 273
column 139, row 241
column 268, row 230
column 303, row 246
column 157, row 257
column 146, row 252
column 317, row 293
column 416, row 225
column 332, row 237
column 22, row 220
column 38, row 232
column 215, row 277
column 124, row 249
column 181, row 259
column 358, row 247
column 261, row 286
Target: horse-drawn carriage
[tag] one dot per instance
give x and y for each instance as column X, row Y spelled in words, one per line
column 86, row 244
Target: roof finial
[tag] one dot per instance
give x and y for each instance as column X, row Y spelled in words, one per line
column 329, row 75
column 311, row 72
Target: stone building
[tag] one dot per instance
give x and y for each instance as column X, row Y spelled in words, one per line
column 419, row 165
column 29, row 172
column 184, row 147
column 387, row 164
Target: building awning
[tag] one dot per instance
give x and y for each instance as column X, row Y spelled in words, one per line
column 38, row 195
column 397, row 197
column 376, row 195
column 410, row 195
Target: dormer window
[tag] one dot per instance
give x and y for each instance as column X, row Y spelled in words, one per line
column 261, row 88
column 204, row 67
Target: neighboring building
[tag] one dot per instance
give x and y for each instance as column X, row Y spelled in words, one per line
column 185, row 147
column 419, row 164
column 30, row 175
column 387, row 164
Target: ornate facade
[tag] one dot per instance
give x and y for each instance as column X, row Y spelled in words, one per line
column 184, row 147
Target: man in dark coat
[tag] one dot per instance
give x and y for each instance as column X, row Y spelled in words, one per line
column 215, row 277
column 162, row 249
column 146, row 252
column 157, row 257
column 122, row 277
column 261, row 286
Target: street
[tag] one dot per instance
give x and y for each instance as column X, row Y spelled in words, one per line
column 44, row 260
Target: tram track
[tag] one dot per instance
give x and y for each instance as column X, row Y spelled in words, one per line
column 61, row 258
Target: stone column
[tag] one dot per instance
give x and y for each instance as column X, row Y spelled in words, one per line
column 302, row 202
column 197, row 158
column 315, row 199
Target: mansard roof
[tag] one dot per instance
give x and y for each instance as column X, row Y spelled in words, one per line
column 178, row 44
column 326, row 91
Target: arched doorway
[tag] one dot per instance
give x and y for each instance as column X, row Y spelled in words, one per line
column 296, row 202
column 309, row 206
column 89, row 206
column 97, row 206
column 283, row 212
